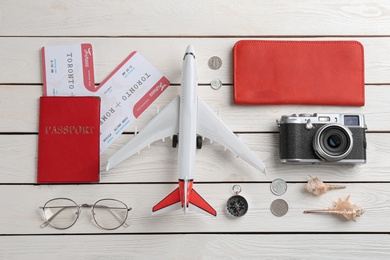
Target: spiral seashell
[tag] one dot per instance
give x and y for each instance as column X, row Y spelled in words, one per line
column 318, row 187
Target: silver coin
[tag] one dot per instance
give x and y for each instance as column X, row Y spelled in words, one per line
column 279, row 207
column 215, row 62
column 278, row 187
column 216, row 84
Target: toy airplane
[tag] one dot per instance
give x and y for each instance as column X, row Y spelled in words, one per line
column 188, row 116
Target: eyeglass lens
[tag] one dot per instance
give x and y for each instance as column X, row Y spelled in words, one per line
column 61, row 213
column 110, row 213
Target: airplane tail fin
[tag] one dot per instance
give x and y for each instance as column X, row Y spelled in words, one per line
column 168, row 201
column 177, row 196
column 199, row 202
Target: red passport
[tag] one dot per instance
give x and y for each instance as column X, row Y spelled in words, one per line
column 299, row 72
column 68, row 145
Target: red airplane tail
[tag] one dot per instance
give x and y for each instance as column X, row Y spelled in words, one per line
column 192, row 197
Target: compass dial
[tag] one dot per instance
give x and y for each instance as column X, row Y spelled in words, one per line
column 237, row 206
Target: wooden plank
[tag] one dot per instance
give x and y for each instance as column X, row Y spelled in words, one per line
column 19, row 109
column 223, row 246
column 23, row 215
column 213, row 164
column 23, row 64
column 203, row 18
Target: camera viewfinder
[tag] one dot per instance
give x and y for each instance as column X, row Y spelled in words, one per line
column 351, row 120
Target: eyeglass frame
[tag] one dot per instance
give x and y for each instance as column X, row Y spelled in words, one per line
column 47, row 222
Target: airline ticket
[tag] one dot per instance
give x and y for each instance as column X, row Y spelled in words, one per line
column 68, row 70
column 125, row 94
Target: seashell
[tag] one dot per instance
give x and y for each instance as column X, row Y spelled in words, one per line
column 342, row 207
column 318, row 187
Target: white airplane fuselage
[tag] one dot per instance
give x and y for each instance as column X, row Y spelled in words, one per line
column 188, row 117
column 187, row 123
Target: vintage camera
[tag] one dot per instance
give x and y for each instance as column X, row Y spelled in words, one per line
column 322, row 138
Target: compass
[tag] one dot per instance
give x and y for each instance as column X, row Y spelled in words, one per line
column 237, row 205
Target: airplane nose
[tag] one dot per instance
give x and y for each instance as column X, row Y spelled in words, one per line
column 190, row 49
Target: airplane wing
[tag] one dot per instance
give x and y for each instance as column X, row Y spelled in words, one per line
column 212, row 127
column 164, row 124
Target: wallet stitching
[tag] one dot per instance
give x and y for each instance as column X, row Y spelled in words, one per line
column 298, row 42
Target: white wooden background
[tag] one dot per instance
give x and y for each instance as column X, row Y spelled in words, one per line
column 160, row 31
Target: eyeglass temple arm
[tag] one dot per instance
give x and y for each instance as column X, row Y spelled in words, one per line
column 47, row 221
column 119, row 218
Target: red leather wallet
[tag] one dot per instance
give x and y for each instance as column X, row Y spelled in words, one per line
column 299, row 72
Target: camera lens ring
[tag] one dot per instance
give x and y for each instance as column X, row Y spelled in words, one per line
column 333, row 142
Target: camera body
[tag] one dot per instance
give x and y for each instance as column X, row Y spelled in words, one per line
column 322, row 138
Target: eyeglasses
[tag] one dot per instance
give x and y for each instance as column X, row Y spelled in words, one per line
column 62, row 213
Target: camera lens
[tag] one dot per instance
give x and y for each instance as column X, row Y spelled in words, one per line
column 333, row 142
